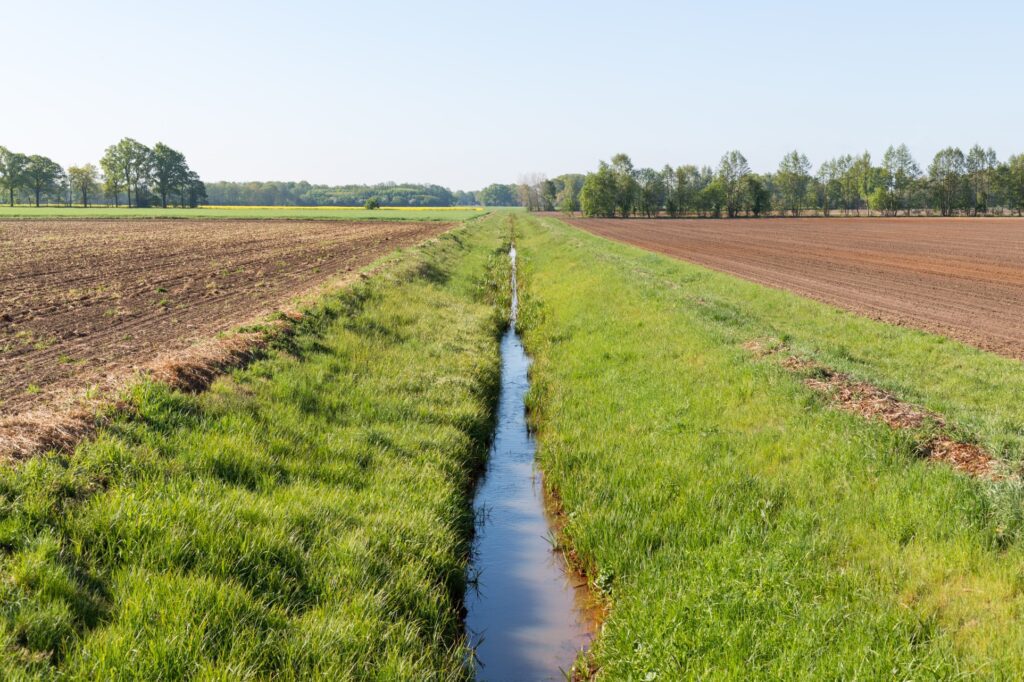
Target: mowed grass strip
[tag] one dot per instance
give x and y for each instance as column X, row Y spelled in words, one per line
column 308, row 517
column 739, row 526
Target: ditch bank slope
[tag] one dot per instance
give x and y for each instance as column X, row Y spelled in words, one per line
column 738, row 523
column 307, row 517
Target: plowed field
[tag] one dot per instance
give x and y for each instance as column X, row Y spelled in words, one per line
column 83, row 300
column 963, row 278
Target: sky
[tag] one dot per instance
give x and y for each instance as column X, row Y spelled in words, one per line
column 464, row 94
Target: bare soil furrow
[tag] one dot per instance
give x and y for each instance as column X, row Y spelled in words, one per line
column 961, row 277
column 81, row 301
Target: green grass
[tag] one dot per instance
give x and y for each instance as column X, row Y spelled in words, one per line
column 739, row 526
column 307, row 517
column 243, row 213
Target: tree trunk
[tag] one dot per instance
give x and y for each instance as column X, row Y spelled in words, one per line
column 37, row 197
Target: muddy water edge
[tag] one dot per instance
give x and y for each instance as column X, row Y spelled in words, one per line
column 527, row 613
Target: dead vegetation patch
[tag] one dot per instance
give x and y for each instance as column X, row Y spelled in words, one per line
column 965, row 457
column 871, row 402
column 756, row 347
column 36, row 431
column 192, row 370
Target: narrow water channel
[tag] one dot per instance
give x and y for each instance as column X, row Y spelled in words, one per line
column 525, row 618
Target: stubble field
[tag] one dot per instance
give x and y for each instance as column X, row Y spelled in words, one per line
column 83, row 300
column 963, row 278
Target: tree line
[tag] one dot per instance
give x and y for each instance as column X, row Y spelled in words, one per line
column 954, row 183
column 129, row 170
column 134, row 175
column 306, row 194
column 385, row 194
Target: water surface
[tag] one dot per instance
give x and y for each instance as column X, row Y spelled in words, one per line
column 525, row 617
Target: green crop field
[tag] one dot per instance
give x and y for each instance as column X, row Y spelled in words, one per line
column 241, row 213
column 307, row 517
column 737, row 524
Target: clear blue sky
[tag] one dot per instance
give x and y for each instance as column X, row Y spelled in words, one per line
column 468, row 93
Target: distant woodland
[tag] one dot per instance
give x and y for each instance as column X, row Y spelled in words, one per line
column 385, row 194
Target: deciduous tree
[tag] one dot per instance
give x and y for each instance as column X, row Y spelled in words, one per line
column 946, row 175
column 864, row 177
column 12, row 172
column 714, row 197
column 42, row 175
column 567, row 199
column 498, row 195
column 1012, row 183
column 757, row 195
column 169, row 170
column 130, row 159
column 847, row 182
column 650, row 191
column 690, row 181
column 113, row 181
column 194, row 191
column 548, row 191
column 84, row 181
column 626, row 187
column 792, row 181
column 979, row 166
column 597, row 197
column 731, row 170
column 830, row 179
column 901, row 173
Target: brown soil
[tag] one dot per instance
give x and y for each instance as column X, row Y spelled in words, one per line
column 83, row 302
column 961, row 277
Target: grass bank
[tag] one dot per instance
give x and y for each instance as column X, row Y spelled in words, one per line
column 740, row 526
column 242, row 213
column 307, row 517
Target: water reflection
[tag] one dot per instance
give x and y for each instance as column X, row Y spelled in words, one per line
column 522, row 616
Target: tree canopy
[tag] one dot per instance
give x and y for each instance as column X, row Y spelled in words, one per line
column 300, row 193
column 12, row 172
column 128, row 169
column 955, row 183
column 84, row 181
